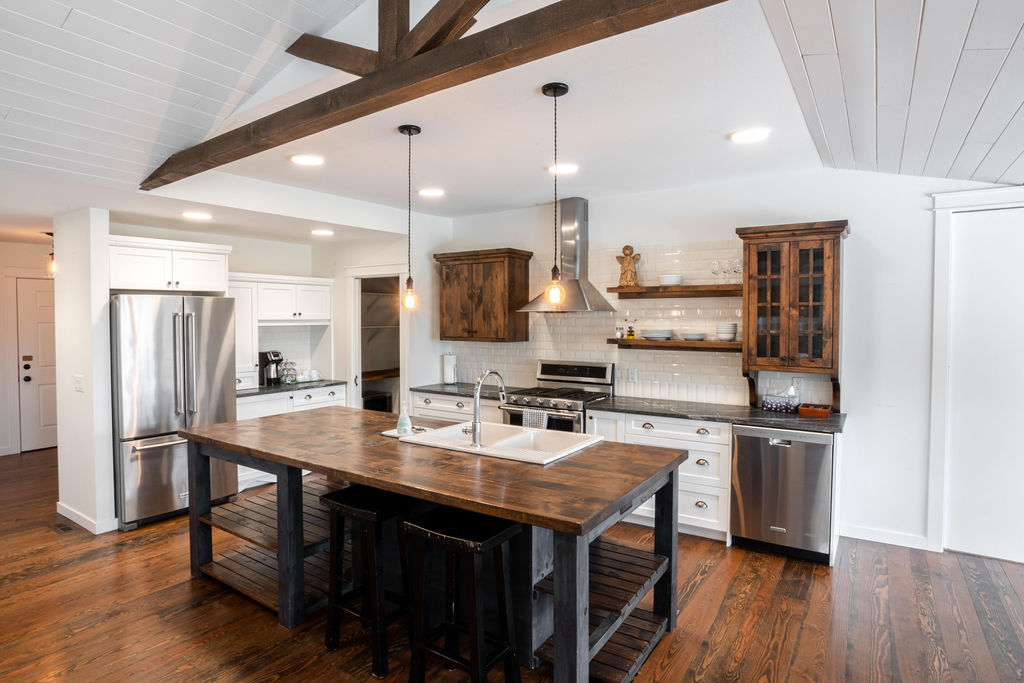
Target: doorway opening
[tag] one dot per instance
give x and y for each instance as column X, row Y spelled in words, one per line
column 380, row 350
column 37, row 364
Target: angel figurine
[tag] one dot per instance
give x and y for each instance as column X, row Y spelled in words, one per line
column 627, row 267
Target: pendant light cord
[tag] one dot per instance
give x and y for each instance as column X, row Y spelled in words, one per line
column 408, row 226
column 555, row 169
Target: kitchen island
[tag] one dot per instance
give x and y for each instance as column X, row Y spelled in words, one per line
column 573, row 500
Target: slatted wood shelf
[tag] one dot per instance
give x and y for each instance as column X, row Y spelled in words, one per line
column 678, row 291
column 252, row 571
column 625, row 652
column 678, row 345
column 620, row 577
column 254, row 518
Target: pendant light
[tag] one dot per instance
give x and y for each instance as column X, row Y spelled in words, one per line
column 555, row 292
column 409, row 298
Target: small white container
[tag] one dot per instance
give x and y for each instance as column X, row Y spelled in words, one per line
column 670, row 280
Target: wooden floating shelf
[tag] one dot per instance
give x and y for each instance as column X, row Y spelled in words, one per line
column 678, row 291
column 621, row 636
column 254, row 518
column 678, row 345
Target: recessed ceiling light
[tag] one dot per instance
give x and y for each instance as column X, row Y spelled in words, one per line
column 196, row 215
column 563, row 169
column 307, row 159
column 321, row 232
column 432, row 192
column 750, row 135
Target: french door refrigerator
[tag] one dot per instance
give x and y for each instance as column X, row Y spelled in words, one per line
column 173, row 366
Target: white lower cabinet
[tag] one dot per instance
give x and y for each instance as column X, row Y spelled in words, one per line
column 704, row 479
column 265, row 405
column 453, row 408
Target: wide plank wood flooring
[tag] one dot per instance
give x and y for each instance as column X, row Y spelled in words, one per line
column 123, row 606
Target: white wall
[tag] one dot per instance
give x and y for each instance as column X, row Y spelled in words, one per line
column 248, row 255
column 16, row 260
column 84, row 439
column 886, row 301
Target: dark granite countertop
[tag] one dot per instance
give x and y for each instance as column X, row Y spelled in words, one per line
column 464, row 389
column 282, row 388
column 715, row 412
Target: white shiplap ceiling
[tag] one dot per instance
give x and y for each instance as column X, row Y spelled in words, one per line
column 930, row 88
column 105, row 90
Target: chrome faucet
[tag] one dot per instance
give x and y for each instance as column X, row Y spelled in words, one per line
column 474, row 429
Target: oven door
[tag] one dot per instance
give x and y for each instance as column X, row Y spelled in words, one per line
column 559, row 420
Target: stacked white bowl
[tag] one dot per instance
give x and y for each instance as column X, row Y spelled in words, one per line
column 726, row 331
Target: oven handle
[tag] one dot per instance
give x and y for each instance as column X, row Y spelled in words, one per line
column 568, row 414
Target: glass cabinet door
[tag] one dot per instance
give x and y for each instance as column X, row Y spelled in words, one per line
column 812, row 270
column 767, row 269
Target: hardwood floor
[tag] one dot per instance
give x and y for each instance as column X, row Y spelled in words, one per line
column 86, row 607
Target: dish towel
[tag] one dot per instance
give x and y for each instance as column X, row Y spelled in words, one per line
column 537, row 419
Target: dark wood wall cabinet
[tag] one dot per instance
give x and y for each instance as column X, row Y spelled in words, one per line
column 481, row 292
column 791, row 300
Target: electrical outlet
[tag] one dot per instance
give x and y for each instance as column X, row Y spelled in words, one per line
column 798, row 382
column 79, row 383
column 631, row 374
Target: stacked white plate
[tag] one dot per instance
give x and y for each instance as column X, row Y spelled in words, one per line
column 656, row 335
column 726, row 331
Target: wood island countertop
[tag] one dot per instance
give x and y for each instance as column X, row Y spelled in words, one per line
column 573, row 495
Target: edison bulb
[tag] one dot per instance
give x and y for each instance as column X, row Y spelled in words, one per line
column 51, row 267
column 409, row 299
column 555, row 293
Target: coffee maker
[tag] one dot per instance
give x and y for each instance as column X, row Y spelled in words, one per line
column 269, row 371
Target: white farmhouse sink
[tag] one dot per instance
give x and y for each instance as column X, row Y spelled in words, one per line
column 540, row 446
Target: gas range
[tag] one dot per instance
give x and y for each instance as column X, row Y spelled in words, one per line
column 563, row 390
column 564, row 398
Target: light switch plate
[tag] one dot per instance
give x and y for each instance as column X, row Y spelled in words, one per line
column 79, row 383
column 631, row 374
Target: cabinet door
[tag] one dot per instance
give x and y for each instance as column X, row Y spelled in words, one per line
column 263, row 406
column 765, row 327
column 611, row 426
column 812, row 266
column 489, row 291
column 199, row 272
column 140, row 268
column 276, row 302
column 313, row 302
column 457, row 301
column 246, row 335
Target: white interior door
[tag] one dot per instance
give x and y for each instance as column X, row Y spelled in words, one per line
column 985, row 465
column 37, row 364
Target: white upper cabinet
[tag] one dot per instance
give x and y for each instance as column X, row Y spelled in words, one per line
column 141, row 263
column 277, row 301
column 314, row 302
column 246, row 333
column 305, row 301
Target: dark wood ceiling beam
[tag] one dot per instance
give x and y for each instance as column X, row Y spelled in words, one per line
column 357, row 61
column 446, row 21
column 392, row 26
column 541, row 33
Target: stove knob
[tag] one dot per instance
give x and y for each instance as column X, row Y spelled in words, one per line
column 525, row 401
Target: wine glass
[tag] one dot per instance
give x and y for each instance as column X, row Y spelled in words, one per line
column 737, row 269
column 716, row 268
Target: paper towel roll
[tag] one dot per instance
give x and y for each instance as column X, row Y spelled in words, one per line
column 448, row 368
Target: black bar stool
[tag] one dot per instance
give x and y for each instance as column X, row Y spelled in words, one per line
column 370, row 508
column 466, row 536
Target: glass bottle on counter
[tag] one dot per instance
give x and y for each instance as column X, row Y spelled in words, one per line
column 404, row 423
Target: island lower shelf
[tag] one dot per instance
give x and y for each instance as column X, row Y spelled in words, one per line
column 621, row 636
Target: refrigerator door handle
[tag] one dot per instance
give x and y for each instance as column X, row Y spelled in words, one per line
column 179, row 369
column 193, row 388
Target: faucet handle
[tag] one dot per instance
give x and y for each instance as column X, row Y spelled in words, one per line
column 468, row 429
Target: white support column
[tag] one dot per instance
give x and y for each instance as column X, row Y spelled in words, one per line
column 84, row 434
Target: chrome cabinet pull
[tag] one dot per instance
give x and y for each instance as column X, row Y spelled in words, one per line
column 331, row 394
column 647, row 425
column 153, row 447
column 238, row 381
column 700, row 504
column 702, row 462
column 426, row 401
column 193, row 389
column 307, row 397
column 460, row 404
column 703, row 431
column 782, row 443
column 179, row 365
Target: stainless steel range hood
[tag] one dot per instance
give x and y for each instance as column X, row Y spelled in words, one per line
column 580, row 294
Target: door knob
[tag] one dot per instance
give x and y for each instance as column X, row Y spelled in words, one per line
column 27, row 378
column 27, row 366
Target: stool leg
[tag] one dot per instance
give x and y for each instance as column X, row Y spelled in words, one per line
column 374, row 597
column 477, row 645
column 417, row 667
column 334, row 580
column 503, row 575
column 451, row 606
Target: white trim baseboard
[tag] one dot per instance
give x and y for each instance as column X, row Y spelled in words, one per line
column 867, row 533
column 85, row 521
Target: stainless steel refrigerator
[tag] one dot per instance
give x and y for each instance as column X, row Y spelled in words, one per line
column 173, row 366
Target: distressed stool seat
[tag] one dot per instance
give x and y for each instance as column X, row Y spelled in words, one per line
column 464, row 536
column 370, row 509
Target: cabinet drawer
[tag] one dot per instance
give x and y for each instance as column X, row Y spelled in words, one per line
column 703, row 506
column 708, row 463
column 701, row 431
column 262, row 406
column 455, row 404
column 246, row 380
column 319, row 397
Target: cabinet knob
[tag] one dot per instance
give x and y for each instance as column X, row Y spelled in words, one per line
column 427, row 401
column 27, row 366
column 255, row 365
column 702, row 462
column 647, row 425
column 300, row 314
column 27, row 378
column 177, row 283
column 700, row 504
column 293, row 315
column 590, row 417
column 460, row 404
column 331, row 394
column 703, row 431
column 168, row 283
column 238, row 381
